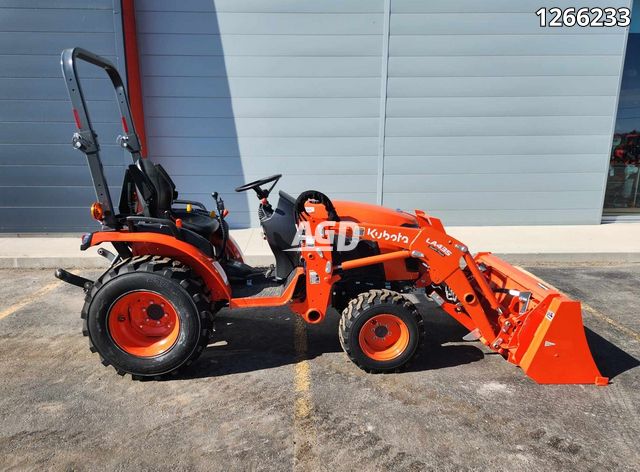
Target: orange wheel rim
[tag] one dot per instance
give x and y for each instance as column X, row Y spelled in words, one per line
column 143, row 324
column 384, row 337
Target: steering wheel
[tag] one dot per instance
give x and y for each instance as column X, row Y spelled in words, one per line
column 256, row 184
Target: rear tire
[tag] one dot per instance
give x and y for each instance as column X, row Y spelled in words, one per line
column 381, row 331
column 148, row 316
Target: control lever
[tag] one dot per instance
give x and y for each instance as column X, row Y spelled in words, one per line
column 222, row 211
column 220, row 214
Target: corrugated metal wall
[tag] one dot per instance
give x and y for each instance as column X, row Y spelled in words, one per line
column 488, row 119
column 45, row 184
column 494, row 120
column 236, row 90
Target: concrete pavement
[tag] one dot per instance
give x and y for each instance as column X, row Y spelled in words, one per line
column 273, row 394
column 586, row 243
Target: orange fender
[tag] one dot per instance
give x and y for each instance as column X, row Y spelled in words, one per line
column 163, row 245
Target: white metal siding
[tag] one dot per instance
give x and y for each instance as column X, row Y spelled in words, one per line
column 237, row 90
column 488, row 118
column 494, row 120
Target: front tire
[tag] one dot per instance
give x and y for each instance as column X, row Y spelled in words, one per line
column 380, row 330
column 148, row 316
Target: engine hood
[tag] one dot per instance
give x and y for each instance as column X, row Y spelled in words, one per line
column 374, row 214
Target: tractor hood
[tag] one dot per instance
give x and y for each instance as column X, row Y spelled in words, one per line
column 374, row 214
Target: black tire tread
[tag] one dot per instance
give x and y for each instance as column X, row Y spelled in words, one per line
column 367, row 300
column 165, row 267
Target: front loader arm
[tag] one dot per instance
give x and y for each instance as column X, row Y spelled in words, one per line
column 444, row 260
column 527, row 321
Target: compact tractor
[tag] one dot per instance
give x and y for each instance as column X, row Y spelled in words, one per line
column 175, row 265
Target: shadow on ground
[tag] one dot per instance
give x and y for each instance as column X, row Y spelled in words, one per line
column 610, row 359
column 250, row 340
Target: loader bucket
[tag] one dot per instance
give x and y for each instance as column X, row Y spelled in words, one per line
column 541, row 328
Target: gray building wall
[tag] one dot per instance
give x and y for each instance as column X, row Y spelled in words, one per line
column 466, row 109
column 238, row 90
column 494, row 120
column 45, row 184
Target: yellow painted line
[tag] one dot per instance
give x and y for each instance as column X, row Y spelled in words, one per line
column 302, row 384
column 612, row 322
column 27, row 301
column 304, row 435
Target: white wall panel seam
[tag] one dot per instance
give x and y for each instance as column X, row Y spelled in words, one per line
column 384, row 78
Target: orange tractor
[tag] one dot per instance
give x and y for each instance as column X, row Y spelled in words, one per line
column 152, row 312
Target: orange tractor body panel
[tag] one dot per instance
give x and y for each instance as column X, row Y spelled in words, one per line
column 168, row 246
column 360, row 212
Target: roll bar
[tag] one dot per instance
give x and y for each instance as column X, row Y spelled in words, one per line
column 85, row 139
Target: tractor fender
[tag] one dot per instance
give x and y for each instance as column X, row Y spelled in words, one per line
column 145, row 243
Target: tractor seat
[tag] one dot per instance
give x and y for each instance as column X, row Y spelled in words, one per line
column 200, row 223
column 197, row 220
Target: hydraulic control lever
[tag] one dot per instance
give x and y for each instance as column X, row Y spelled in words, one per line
column 221, row 210
column 220, row 214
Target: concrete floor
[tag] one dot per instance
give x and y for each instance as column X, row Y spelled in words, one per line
column 278, row 395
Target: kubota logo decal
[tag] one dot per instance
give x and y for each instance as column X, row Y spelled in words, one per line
column 386, row 236
column 439, row 248
column 343, row 236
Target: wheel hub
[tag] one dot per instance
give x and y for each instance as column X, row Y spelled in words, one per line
column 155, row 312
column 143, row 323
column 384, row 337
column 381, row 331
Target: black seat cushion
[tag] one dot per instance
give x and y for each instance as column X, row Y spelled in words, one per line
column 165, row 191
column 197, row 221
column 200, row 223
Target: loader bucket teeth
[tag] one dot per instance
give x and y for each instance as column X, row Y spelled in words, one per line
column 542, row 331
